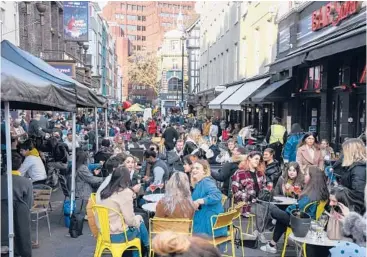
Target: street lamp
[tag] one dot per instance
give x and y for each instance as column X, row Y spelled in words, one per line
column 182, row 66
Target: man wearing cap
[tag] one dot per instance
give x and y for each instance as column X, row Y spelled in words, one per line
column 226, row 172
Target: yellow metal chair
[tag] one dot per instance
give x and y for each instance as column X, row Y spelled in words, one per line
column 238, row 209
column 93, row 198
column 160, row 225
column 319, row 210
column 116, row 249
column 224, row 220
column 224, row 199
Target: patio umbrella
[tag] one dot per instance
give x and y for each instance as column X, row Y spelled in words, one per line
column 135, row 108
column 126, row 105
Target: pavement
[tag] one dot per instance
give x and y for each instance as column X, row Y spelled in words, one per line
column 60, row 244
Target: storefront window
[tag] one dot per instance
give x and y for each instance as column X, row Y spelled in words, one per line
column 344, row 75
column 313, row 78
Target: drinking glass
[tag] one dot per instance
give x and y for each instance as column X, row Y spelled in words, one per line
column 313, row 229
column 319, row 232
column 152, row 188
column 323, row 220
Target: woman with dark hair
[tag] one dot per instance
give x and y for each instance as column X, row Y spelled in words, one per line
column 290, row 147
column 85, row 182
column 118, row 196
column 340, row 194
column 249, row 179
column 292, row 176
column 309, row 153
column 315, row 190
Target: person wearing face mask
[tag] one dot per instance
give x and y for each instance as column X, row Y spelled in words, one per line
column 292, row 176
column 207, row 200
column 309, row 153
column 248, row 180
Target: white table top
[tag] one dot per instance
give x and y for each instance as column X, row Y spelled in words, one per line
column 153, row 198
column 284, row 200
column 308, row 239
column 150, row 207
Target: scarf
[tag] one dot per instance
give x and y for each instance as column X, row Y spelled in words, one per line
column 16, row 173
column 33, row 152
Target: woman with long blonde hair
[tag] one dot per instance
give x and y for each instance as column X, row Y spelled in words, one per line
column 354, row 163
column 177, row 201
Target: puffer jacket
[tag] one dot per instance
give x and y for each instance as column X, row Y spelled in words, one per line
column 273, row 172
column 290, row 147
column 355, row 179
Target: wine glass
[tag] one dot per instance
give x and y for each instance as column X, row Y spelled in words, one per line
column 152, row 188
column 313, row 229
column 160, row 186
column 323, row 220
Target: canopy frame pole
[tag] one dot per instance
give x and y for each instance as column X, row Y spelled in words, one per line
column 106, row 121
column 73, row 163
column 10, row 180
column 96, row 121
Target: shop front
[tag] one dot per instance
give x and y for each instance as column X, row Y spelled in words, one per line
column 323, row 54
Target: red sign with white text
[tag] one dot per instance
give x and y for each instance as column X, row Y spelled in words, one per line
column 333, row 13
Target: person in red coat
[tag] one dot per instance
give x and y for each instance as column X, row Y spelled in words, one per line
column 152, row 127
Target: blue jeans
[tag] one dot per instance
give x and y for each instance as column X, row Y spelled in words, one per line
column 132, row 232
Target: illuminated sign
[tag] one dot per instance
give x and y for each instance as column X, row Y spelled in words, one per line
column 333, row 13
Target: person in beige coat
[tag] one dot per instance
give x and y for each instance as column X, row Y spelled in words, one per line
column 309, row 153
column 118, row 196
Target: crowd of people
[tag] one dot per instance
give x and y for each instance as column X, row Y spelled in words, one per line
column 186, row 158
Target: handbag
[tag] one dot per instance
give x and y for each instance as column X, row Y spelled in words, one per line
column 334, row 228
column 265, row 195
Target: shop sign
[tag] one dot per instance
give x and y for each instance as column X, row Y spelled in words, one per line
column 333, row 13
column 219, row 88
column 66, row 68
column 76, row 21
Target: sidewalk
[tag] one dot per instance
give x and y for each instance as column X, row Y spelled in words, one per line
column 60, row 244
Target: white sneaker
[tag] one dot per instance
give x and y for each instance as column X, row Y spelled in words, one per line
column 274, row 222
column 268, row 248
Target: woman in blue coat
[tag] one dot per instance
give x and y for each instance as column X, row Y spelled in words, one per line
column 207, row 199
column 290, row 147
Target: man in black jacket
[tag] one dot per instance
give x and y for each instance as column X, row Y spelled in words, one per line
column 226, row 172
column 273, row 170
column 22, row 203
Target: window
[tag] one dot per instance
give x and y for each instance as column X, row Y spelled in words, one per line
column 129, row 7
column 143, row 28
column 132, row 17
column 163, row 14
column 132, row 37
column 139, row 8
column 134, row 7
column 143, row 38
column 122, row 5
column 119, row 16
column 235, row 62
column 132, row 27
column 139, row 28
column 257, row 49
column 344, row 72
column 141, row 18
column 244, row 54
column 173, row 84
column 313, row 78
column 226, row 67
column 138, row 48
column 174, row 64
column 238, row 11
column 138, row 37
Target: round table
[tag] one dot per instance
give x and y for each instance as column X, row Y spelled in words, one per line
column 150, row 207
column 153, row 198
column 282, row 200
column 309, row 240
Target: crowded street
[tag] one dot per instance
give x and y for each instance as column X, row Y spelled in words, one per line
column 183, row 129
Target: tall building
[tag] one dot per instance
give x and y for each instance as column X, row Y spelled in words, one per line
column 9, row 17
column 144, row 23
